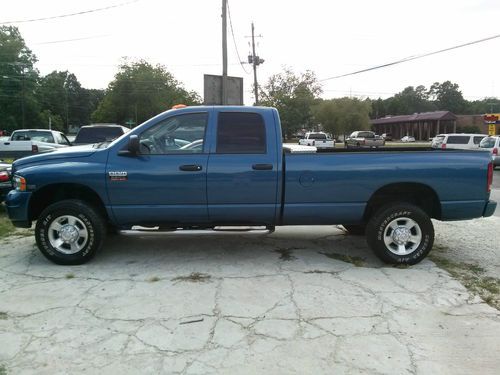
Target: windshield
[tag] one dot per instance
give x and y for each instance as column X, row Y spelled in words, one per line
column 317, row 136
column 488, row 142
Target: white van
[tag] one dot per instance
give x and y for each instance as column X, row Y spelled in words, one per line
column 458, row 141
column 492, row 143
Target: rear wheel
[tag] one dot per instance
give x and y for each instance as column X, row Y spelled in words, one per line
column 400, row 233
column 70, row 232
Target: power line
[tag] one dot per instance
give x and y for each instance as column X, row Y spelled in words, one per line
column 70, row 14
column 234, row 40
column 410, row 58
column 72, row 40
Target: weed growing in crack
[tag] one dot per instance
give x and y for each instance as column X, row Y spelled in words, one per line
column 154, row 279
column 194, row 277
column 357, row 261
column 473, row 278
column 3, row 315
column 286, row 253
column 69, row 276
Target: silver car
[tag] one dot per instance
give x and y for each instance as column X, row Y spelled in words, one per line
column 492, row 144
column 364, row 139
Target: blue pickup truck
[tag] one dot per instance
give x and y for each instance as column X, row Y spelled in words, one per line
column 202, row 167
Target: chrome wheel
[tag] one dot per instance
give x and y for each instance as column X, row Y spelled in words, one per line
column 68, row 234
column 402, row 236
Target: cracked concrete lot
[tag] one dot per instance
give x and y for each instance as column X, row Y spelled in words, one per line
column 290, row 302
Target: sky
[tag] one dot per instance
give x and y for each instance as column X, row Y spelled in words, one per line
column 327, row 37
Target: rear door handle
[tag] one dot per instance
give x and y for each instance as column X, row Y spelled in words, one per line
column 262, row 167
column 190, row 167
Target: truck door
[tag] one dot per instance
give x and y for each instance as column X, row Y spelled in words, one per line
column 166, row 183
column 242, row 177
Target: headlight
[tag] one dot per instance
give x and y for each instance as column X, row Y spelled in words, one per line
column 19, row 183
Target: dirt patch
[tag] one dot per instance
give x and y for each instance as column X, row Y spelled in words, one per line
column 195, row 277
column 357, row 261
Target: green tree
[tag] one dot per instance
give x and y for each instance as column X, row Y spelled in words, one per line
column 56, row 121
column 343, row 115
column 140, row 91
column 62, row 95
column 293, row 95
column 448, row 97
column 18, row 80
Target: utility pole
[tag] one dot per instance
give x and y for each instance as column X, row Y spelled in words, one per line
column 224, row 52
column 22, row 98
column 255, row 61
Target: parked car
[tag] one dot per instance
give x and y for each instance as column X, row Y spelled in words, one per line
column 97, row 133
column 244, row 177
column 319, row 140
column 492, row 144
column 458, row 141
column 387, row 136
column 31, row 141
column 408, row 138
column 364, row 139
column 5, row 183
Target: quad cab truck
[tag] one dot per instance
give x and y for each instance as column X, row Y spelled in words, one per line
column 231, row 170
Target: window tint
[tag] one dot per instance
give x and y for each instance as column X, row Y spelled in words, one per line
column 366, row 135
column 241, row 133
column 458, row 139
column 317, row 136
column 98, row 134
column 478, row 139
column 182, row 134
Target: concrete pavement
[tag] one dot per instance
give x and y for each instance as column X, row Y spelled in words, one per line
column 290, row 302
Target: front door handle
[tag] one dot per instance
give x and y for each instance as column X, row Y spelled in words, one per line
column 190, row 167
column 262, row 167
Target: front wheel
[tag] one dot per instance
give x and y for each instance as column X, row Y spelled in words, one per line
column 70, row 232
column 400, row 233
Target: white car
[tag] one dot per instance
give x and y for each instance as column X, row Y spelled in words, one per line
column 492, row 144
column 458, row 141
column 317, row 139
column 408, row 138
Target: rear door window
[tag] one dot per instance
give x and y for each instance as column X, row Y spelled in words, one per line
column 477, row 139
column 487, row 142
column 241, row 133
column 458, row 139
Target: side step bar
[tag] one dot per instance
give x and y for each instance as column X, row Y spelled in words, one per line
column 214, row 230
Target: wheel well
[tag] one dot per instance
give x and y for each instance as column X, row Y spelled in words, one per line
column 57, row 192
column 418, row 194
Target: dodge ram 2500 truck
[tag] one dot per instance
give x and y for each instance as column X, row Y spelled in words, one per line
column 202, row 167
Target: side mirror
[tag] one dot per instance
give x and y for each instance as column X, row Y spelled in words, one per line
column 132, row 147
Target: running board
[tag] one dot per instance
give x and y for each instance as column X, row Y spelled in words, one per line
column 214, row 230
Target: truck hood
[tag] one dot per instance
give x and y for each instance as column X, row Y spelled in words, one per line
column 60, row 153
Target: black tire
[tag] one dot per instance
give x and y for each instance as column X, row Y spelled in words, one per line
column 85, row 217
column 355, row 230
column 378, row 231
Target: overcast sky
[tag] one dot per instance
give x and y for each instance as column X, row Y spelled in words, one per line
column 329, row 37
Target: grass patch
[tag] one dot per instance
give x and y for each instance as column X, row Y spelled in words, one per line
column 6, row 227
column 69, row 276
column 3, row 315
column 154, row 279
column 357, row 261
column 194, row 277
column 3, row 370
column 473, row 278
column 286, row 253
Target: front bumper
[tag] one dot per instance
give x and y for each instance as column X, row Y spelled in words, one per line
column 5, row 187
column 17, row 204
column 489, row 209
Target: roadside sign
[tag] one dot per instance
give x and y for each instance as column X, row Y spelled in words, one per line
column 492, row 118
column 491, row 129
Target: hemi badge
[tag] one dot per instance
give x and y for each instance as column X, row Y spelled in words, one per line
column 117, row 176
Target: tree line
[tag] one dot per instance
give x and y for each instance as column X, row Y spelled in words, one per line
column 140, row 90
